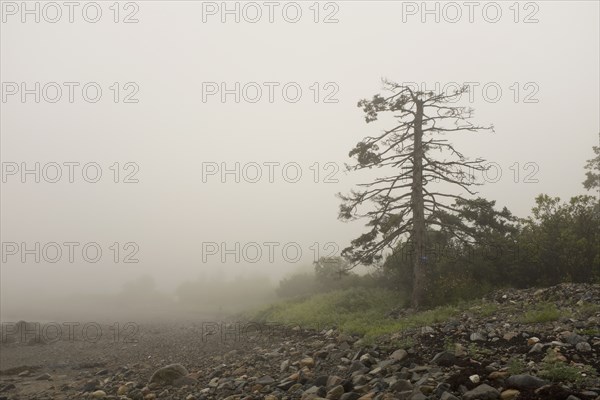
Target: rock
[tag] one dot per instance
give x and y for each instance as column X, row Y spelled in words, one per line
column 332, row 381
column 357, row 366
column 90, row 385
column 8, row 387
column 477, row 337
column 399, row 355
column 474, row 378
column 350, row 396
column 265, row 380
column 307, row 362
column 124, row 389
column 98, row 394
column 497, row 375
column 573, row 338
column 401, row 385
column 532, row 340
column 335, row 393
column 482, row 392
column 509, row 394
column 524, row 382
column 448, row 396
column 184, row 381
column 444, row 358
column 427, row 329
column 537, row 348
column 168, row 374
column 322, row 354
column 583, row 347
column 459, row 350
column 284, row 366
column 44, row 377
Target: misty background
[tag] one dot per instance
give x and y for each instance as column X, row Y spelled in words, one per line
column 171, row 134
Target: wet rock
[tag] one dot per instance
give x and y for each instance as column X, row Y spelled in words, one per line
column 265, row 380
column 537, row 348
column 583, row 347
column 477, row 337
column 448, row 396
column 307, row 362
column 90, row 385
column 399, row 355
column 44, row 377
column 509, row 394
column 168, row 374
column 444, row 358
column 8, row 387
column 482, row 392
column 524, row 382
column 335, row 393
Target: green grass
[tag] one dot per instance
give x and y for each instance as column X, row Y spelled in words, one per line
column 543, row 313
column 589, row 332
column 516, row 366
column 561, row 372
column 587, row 310
column 486, row 309
column 355, row 311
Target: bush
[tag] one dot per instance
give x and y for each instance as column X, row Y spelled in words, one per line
column 543, row 313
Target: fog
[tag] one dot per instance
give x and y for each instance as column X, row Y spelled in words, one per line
column 204, row 182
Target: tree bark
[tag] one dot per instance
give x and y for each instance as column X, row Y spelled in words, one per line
column 418, row 231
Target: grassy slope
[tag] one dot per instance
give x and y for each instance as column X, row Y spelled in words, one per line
column 365, row 312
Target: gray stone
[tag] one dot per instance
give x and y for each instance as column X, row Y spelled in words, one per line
column 525, row 381
column 265, row 380
column 401, row 385
column 284, row 366
column 482, row 392
column 537, row 348
column 444, row 358
column 583, row 347
column 335, row 393
column 575, row 338
column 427, row 329
column 399, row 355
column 168, row 374
column 448, row 396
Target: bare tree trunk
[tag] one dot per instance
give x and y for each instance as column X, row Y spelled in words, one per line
column 418, row 232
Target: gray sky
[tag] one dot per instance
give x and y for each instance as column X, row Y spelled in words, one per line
column 546, row 120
